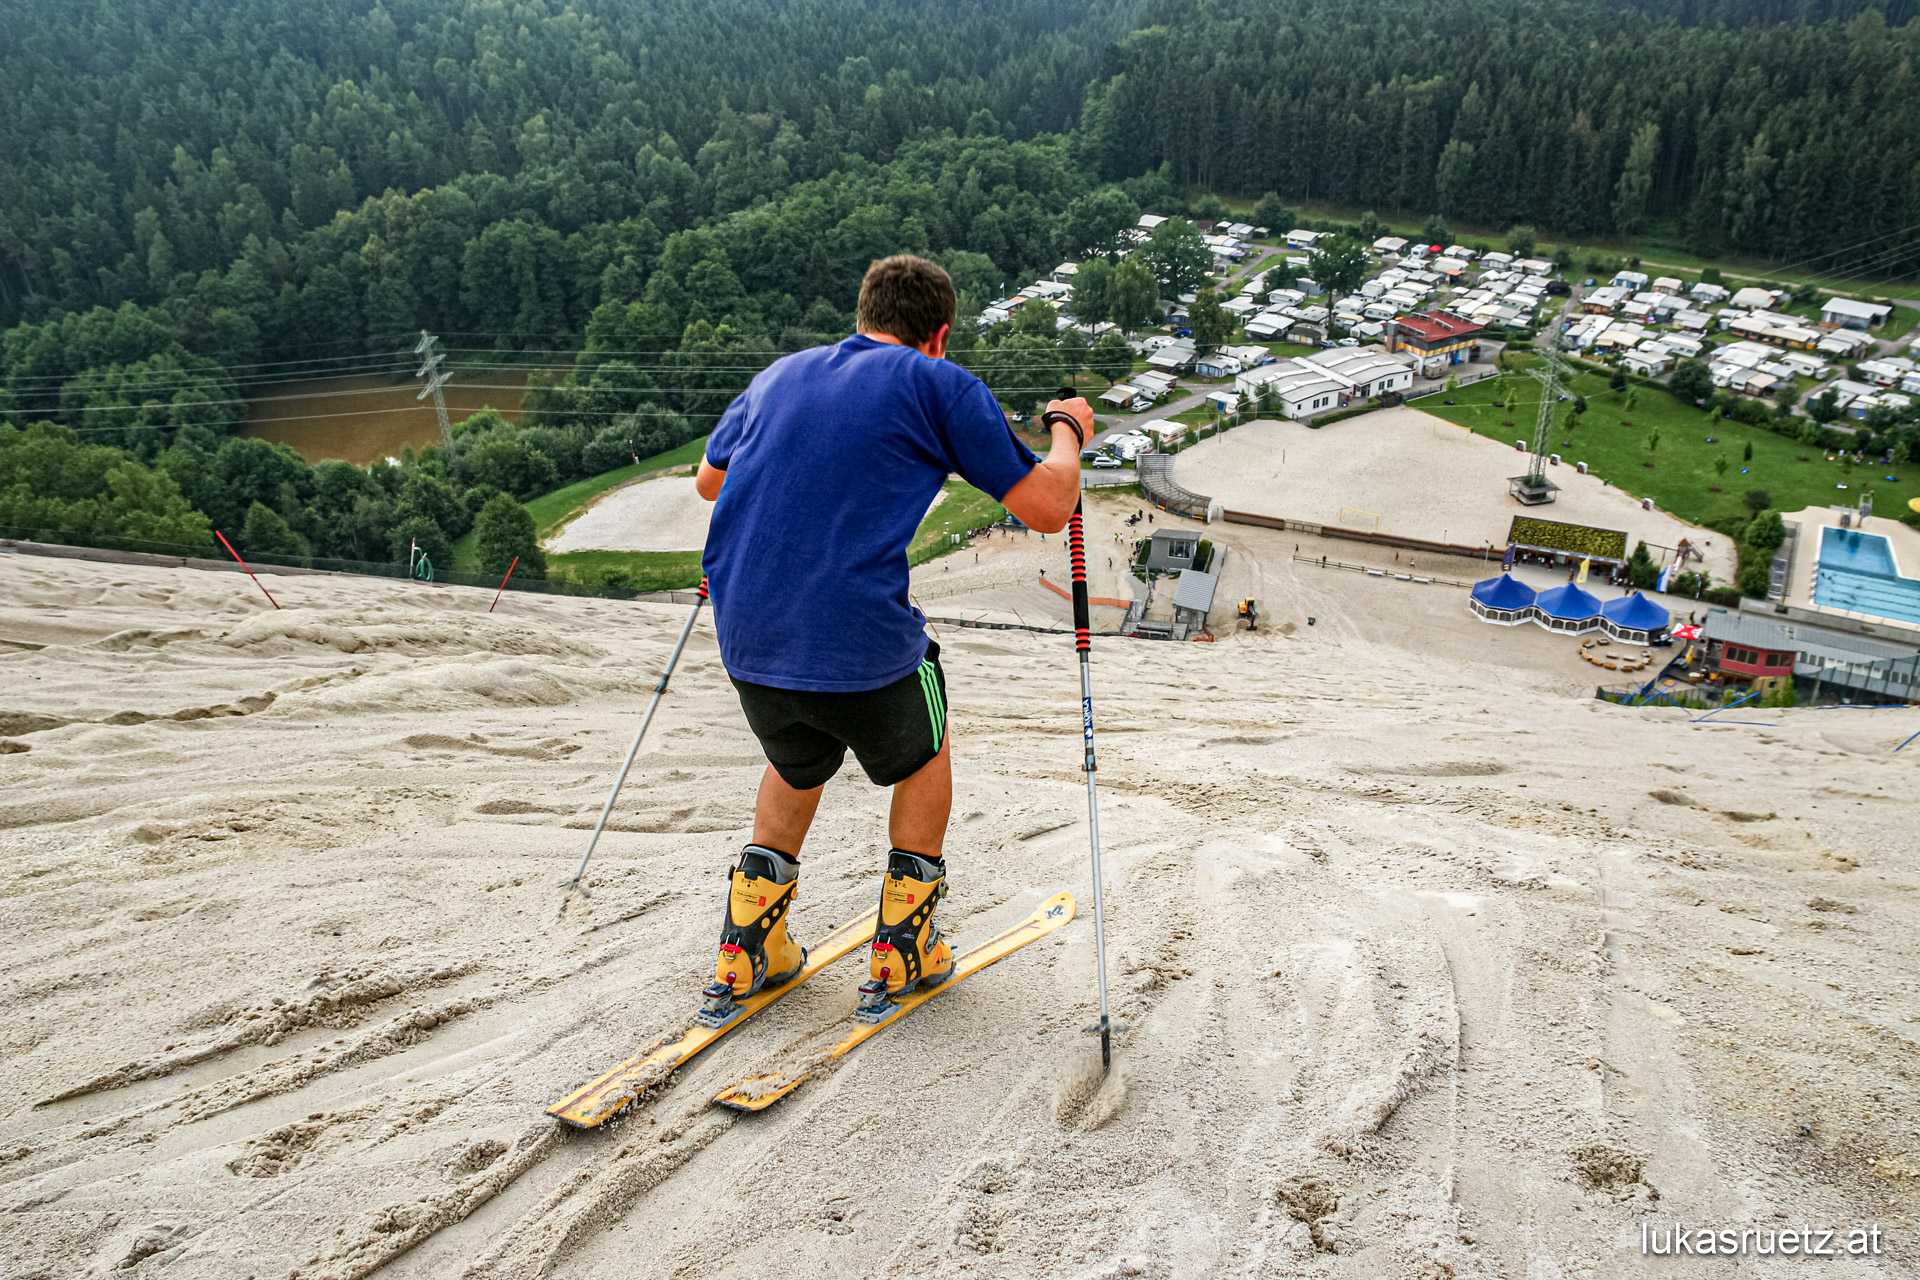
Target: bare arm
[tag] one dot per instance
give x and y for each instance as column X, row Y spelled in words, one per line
column 1048, row 494
column 707, row 483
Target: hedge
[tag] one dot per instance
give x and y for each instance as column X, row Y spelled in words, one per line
column 1356, row 411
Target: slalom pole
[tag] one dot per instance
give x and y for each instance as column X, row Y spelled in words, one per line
column 503, row 583
column 1083, row 643
column 572, row 883
column 243, row 564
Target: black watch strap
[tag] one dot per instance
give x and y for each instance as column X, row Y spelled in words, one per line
column 1055, row 417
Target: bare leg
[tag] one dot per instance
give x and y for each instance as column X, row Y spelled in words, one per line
column 781, row 815
column 921, row 805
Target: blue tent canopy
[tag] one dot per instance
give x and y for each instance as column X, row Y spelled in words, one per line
column 1569, row 603
column 1503, row 593
column 1636, row 613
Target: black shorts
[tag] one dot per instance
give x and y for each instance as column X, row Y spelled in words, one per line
column 893, row 730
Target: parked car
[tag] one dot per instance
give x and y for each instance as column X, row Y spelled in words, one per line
column 1105, row 462
column 1349, row 342
column 1091, row 455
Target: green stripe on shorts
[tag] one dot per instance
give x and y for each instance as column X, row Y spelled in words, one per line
column 936, row 706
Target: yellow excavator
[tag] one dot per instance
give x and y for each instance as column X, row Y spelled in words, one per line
column 1249, row 615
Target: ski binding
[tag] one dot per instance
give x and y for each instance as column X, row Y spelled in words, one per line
column 720, row 1007
column 874, row 1007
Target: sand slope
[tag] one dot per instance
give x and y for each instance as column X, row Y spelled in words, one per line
column 655, row 515
column 1422, row 481
column 1433, row 966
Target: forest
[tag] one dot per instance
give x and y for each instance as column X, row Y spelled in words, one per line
column 654, row 201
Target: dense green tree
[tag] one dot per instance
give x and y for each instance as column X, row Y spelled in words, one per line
column 1096, row 223
column 1178, row 256
column 1692, row 381
column 1765, row 532
column 503, row 530
column 1774, row 135
column 1022, row 370
column 1091, row 302
column 266, row 534
column 1210, row 322
column 1339, row 264
column 1110, row 356
column 55, row 488
column 1272, row 213
column 1521, row 240
column 1208, row 207
column 1642, row 572
column 1133, row 295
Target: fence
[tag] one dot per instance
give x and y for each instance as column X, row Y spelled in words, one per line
column 1639, row 695
column 1488, row 553
column 1156, row 481
column 176, row 556
column 1378, row 572
column 1016, row 626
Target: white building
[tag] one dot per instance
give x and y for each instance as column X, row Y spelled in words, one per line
column 1365, row 372
column 1300, row 239
column 1389, row 244
column 1846, row 313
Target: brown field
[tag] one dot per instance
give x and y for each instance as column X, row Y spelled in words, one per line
column 364, row 417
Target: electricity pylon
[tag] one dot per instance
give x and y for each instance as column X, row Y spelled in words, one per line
column 430, row 358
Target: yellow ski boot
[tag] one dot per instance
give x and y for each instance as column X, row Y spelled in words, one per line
column 908, row 950
column 755, row 948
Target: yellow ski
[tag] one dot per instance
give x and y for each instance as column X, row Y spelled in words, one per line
column 606, row 1096
column 756, row 1093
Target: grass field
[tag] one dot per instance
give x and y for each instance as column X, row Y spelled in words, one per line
column 552, row 510
column 643, row 570
column 964, row 508
column 1682, row 478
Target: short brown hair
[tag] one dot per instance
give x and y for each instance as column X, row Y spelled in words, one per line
column 906, row 297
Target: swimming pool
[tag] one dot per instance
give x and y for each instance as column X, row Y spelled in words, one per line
column 1856, row 571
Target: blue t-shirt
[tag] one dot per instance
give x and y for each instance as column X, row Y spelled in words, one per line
column 833, row 456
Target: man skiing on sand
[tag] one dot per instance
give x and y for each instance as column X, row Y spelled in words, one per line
column 820, row 472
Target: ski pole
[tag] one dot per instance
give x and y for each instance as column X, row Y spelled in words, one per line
column 572, row 883
column 1083, row 642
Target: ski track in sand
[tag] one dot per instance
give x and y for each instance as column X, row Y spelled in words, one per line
column 1431, row 965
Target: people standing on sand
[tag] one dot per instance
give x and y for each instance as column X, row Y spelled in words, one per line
column 820, row 471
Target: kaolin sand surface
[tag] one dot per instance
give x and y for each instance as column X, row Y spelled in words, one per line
column 655, row 515
column 1432, row 966
column 1421, row 482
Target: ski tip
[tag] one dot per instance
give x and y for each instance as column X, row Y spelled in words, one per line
column 757, row 1093
column 573, row 1113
